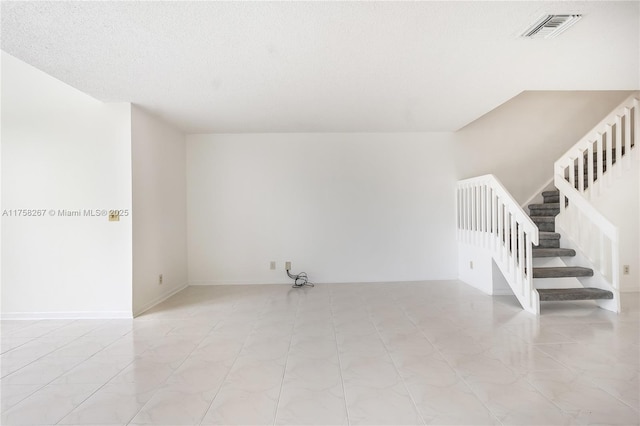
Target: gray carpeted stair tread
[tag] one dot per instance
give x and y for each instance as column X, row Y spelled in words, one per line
column 553, row 252
column 548, row 236
column 545, row 209
column 545, row 223
column 562, row 272
column 545, row 226
column 544, row 206
column 582, row 293
column 551, row 196
column 543, row 215
column 550, row 219
column 548, row 240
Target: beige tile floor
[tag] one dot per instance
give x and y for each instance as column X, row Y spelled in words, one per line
column 397, row 353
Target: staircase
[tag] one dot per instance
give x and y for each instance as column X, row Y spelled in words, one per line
column 493, row 230
column 543, row 216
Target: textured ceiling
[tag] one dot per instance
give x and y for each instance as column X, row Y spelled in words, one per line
column 322, row 66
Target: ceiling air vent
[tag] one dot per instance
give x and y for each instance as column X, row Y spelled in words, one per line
column 550, row 26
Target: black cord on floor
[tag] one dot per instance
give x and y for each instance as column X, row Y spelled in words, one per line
column 300, row 280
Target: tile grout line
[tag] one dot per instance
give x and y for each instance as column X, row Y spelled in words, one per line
column 453, row 368
column 587, row 376
column 577, row 372
column 284, row 369
column 335, row 337
column 395, row 366
column 108, row 380
column 48, row 353
column 158, row 388
column 19, row 346
column 222, row 382
column 57, row 377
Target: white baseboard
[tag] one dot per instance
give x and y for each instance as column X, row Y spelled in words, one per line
column 159, row 300
column 290, row 282
column 198, row 283
column 66, row 315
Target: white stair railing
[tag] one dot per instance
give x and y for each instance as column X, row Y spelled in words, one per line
column 489, row 218
column 603, row 152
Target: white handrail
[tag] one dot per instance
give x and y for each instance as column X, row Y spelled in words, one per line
column 612, row 139
column 490, row 218
column 597, row 131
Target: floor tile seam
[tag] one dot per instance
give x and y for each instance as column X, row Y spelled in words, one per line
column 57, row 377
column 48, row 353
column 395, row 366
column 224, row 379
column 457, row 373
column 590, row 380
column 286, row 361
column 43, row 321
column 604, row 389
column 335, row 335
column 600, row 349
column 569, row 367
column 27, row 396
column 46, row 384
column 25, row 324
column 531, row 383
column 72, row 322
column 32, row 339
column 94, row 392
column 103, row 384
column 158, row 387
column 187, row 319
column 539, row 391
column 39, row 359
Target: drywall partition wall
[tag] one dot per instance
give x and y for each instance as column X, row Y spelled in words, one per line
column 342, row 207
column 66, row 160
column 159, row 203
column 520, row 140
column 620, row 204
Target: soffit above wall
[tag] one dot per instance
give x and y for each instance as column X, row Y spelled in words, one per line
column 322, row 66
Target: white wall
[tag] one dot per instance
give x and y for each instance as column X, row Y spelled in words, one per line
column 159, row 205
column 62, row 149
column 478, row 269
column 342, row 207
column 619, row 202
column 519, row 141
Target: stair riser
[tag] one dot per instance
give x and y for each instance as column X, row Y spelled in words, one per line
column 546, row 226
column 557, row 252
column 549, row 298
column 563, row 274
column 552, row 199
column 549, row 244
column 544, row 212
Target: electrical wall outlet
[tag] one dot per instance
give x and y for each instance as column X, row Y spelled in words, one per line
column 114, row 216
column 287, row 266
column 625, row 269
column 471, row 264
column 160, row 279
column 272, row 265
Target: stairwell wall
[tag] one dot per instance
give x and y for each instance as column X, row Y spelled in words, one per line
column 519, row 141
